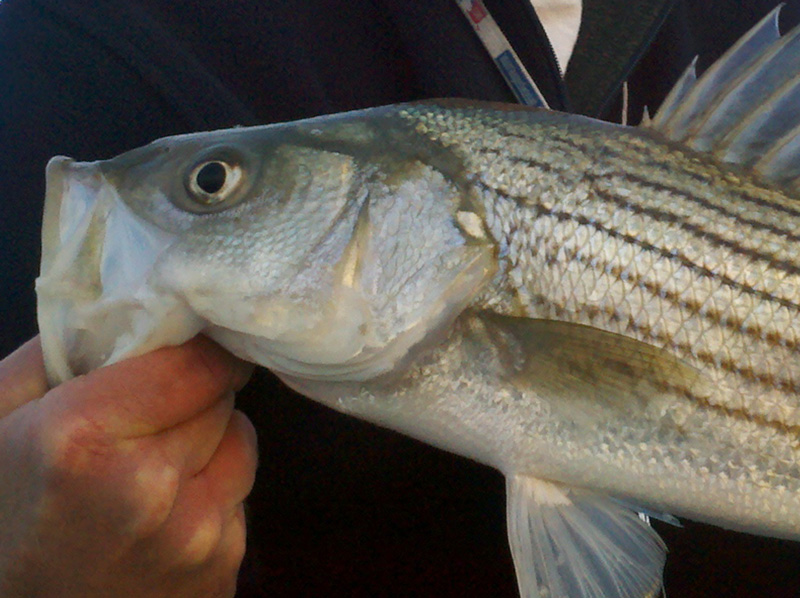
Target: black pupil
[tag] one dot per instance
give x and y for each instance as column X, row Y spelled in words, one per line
column 211, row 177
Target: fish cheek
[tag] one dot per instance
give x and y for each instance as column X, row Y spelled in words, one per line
column 259, row 266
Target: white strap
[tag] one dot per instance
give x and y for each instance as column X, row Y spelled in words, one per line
column 496, row 43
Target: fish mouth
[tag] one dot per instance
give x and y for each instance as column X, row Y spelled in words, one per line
column 96, row 301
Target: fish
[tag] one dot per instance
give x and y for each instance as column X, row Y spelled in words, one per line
column 608, row 315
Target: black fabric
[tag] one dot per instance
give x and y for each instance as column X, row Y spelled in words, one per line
column 341, row 508
column 139, row 43
column 614, row 36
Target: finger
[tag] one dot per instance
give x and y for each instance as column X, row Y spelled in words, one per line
column 216, row 578
column 202, row 504
column 222, row 569
column 205, row 502
column 22, row 377
column 233, row 544
column 189, row 446
column 154, row 392
column 201, row 541
column 230, row 474
column 194, row 530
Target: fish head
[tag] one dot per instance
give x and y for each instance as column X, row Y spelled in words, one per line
column 322, row 249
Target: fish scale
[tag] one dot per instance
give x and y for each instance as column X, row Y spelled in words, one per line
column 659, row 202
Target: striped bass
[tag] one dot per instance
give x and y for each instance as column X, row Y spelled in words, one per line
column 608, row 315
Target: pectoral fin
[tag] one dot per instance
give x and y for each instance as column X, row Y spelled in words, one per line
column 587, row 374
column 571, row 543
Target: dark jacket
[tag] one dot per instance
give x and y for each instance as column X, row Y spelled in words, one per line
column 341, row 508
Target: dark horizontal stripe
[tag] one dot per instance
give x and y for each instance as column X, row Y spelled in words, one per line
column 737, row 413
column 770, row 381
column 673, row 254
column 566, row 137
column 693, row 308
column 593, row 312
column 704, row 172
column 567, row 145
column 684, row 350
column 640, row 156
column 501, row 153
column 702, row 202
column 680, row 258
column 702, row 234
column 673, row 187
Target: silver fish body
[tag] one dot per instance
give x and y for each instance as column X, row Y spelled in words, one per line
column 619, row 230
column 608, row 315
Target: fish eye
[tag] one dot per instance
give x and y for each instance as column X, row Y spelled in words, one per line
column 211, row 182
column 214, row 179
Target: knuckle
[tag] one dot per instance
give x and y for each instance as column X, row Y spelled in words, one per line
column 244, row 450
column 201, row 542
column 73, row 445
column 153, row 491
column 237, row 528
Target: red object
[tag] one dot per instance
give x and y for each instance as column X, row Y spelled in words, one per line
column 477, row 12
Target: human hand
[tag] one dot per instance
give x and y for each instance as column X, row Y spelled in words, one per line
column 128, row 481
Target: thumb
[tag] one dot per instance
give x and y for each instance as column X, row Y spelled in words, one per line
column 22, row 377
column 153, row 392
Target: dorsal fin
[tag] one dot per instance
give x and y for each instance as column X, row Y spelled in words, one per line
column 691, row 99
column 745, row 109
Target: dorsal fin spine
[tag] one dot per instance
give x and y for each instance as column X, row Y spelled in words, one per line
column 718, row 109
column 741, row 55
column 739, row 144
column 745, row 109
